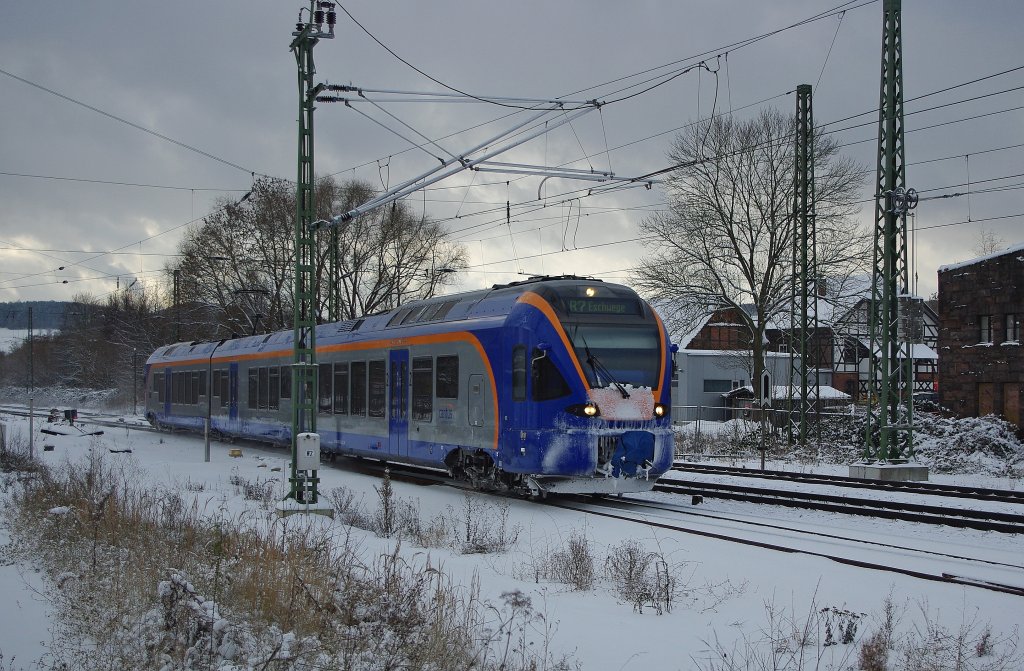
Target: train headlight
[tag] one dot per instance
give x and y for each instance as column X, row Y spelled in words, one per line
column 588, row 410
column 660, row 410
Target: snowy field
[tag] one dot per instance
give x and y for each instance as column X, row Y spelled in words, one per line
column 736, row 597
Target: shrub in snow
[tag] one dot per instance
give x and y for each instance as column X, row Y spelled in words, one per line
column 641, row 577
column 969, row 445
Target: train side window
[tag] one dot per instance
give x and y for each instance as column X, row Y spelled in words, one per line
column 286, row 382
column 548, row 383
column 225, row 388
column 158, row 384
column 341, row 388
column 218, row 387
column 176, row 387
column 422, row 389
column 378, row 388
column 519, row 373
column 358, row 393
column 275, row 387
column 264, row 381
column 203, row 389
column 254, row 388
column 193, row 387
column 447, row 377
column 324, row 395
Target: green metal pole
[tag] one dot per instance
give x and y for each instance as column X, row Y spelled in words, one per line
column 889, row 426
column 303, row 483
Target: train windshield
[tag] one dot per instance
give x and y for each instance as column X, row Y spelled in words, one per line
column 614, row 353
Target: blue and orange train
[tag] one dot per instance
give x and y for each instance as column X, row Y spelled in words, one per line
column 552, row 384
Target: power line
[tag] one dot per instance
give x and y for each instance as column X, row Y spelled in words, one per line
column 132, row 124
column 116, row 183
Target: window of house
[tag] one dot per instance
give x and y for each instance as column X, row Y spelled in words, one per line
column 985, row 328
column 423, row 388
column 1012, row 328
column 378, row 388
column 717, row 386
column 447, row 377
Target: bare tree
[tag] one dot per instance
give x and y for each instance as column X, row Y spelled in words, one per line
column 987, row 242
column 726, row 239
column 241, row 259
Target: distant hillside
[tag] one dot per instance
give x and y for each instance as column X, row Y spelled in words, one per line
column 45, row 314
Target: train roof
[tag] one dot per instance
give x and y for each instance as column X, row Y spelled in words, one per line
column 483, row 305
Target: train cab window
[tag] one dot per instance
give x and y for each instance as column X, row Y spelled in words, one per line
column 422, row 389
column 341, row 388
column 325, row 397
column 275, row 387
column 378, row 388
column 447, row 377
column 548, row 382
column 264, row 395
column 358, row 388
column 254, row 388
column 519, row 373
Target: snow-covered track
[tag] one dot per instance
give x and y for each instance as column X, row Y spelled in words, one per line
column 914, row 487
column 85, row 418
column 794, row 541
column 1010, row 523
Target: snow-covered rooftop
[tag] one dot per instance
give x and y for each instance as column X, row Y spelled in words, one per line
column 1016, row 249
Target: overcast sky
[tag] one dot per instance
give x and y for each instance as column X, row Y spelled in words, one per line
column 217, row 81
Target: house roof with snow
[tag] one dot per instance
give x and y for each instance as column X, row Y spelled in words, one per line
column 1016, row 249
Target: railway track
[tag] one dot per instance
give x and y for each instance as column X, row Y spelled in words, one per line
column 930, row 488
column 1010, row 523
column 621, row 509
column 911, row 512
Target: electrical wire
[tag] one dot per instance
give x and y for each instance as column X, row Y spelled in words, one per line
column 131, row 124
column 116, row 183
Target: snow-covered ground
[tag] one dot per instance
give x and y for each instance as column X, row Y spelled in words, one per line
column 11, row 338
column 731, row 589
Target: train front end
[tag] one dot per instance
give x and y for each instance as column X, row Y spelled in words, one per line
column 589, row 405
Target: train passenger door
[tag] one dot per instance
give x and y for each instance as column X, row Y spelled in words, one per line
column 398, row 408
column 233, row 391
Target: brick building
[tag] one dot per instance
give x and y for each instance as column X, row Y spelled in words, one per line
column 981, row 363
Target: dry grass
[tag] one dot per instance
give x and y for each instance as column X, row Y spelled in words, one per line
column 147, row 579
